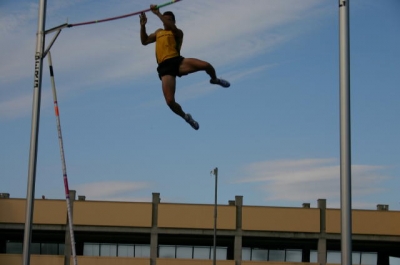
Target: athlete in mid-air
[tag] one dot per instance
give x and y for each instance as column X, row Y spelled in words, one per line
column 170, row 62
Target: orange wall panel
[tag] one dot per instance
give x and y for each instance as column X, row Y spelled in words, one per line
column 47, row 260
column 12, row 211
column 259, row 218
column 11, row 259
column 44, row 211
column 376, row 222
column 332, row 221
column 366, row 222
column 164, row 261
column 275, row 263
column 50, row 212
column 195, row 216
column 112, row 213
column 16, row 259
column 85, row 260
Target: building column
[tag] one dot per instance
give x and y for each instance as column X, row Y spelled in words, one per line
column 238, row 235
column 154, row 229
column 67, row 243
column 322, row 237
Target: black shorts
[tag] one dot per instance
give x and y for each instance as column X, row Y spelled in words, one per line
column 170, row 67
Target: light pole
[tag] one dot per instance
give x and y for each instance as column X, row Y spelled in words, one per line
column 345, row 134
column 215, row 172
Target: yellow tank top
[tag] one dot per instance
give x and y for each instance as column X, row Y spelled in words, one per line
column 166, row 45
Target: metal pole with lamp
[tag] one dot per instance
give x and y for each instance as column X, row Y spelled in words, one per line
column 215, row 173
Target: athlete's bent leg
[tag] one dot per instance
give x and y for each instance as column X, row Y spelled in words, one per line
column 191, row 65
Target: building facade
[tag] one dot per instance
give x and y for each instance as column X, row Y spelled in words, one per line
column 155, row 233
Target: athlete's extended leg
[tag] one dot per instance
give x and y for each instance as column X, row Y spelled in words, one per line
column 169, row 87
column 191, row 65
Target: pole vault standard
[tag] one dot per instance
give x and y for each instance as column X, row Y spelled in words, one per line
column 37, row 86
column 40, row 54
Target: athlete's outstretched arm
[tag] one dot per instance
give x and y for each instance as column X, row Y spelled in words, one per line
column 166, row 21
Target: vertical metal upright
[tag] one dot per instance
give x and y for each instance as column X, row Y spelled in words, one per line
column 37, row 86
column 345, row 143
column 215, row 172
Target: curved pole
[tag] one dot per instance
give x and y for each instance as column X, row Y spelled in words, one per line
column 119, row 17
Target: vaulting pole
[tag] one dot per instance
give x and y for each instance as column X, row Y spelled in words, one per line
column 63, row 163
column 123, row 16
column 37, row 86
column 345, row 143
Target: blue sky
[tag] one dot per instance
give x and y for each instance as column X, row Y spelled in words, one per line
column 274, row 134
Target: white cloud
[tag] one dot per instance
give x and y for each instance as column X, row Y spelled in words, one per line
column 21, row 105
column 113, row 190
column 15, row 107
column 310, row 179
column 230, row 30
column 220, row 31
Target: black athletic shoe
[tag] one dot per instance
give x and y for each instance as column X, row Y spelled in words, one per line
column 220, row 81
column 193, row 123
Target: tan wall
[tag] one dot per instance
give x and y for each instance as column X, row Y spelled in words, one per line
column 275, row 263
column 112, row 213
column 47, row 260
column 10, row 259
column 280, row 219
column 366, row 222
column 12, row 211
column 16, row 259
column 195, row 216
column 50, row 212
column 255, row 218
column 83, row 260
column 193, row 262
column 45, row 211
